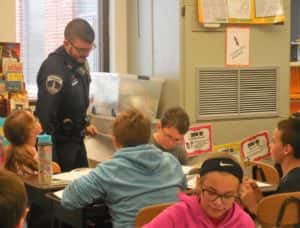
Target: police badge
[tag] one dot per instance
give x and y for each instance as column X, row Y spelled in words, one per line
column 54, row 84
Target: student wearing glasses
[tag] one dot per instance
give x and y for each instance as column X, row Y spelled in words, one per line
column 214, row 204
column 63, row 95
column 170, row 131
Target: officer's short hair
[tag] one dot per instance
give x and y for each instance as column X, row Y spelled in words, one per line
column 13, row 199
column 132, row 128
column 176, row 117
column 79, row 28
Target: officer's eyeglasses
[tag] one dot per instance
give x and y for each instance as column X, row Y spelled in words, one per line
column 83, row 50
column 211, row 195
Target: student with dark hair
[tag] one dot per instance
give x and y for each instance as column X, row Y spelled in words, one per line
column 214, row 204
column 170, row 131
column 138, row 175
column 285, row 151
column 63, row 95
column 13, row 200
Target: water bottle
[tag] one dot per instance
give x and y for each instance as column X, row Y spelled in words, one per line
column 2, row 152
column 45, row 159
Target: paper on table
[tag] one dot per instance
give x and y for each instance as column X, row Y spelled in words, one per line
column 72, row 175
column 266, row 187
column 58, row 194
column 262, row 184
column 191, row 181
column 186, row 169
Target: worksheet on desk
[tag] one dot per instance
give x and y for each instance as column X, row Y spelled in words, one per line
column 72, row 175
column 58, row 194
column 192, row 181
column 262, row 184
column 265, row 187
column 186, row 169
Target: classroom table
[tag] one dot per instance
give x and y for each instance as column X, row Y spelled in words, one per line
column 95, row 215
column 42, row 199
column 39, row 204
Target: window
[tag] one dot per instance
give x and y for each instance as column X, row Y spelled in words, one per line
column 40, row 29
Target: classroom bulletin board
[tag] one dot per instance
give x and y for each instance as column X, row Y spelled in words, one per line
column 240, row 12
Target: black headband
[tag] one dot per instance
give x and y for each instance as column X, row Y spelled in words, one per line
column 223, row 165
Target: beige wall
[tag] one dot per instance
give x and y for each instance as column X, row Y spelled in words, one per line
column 173, row 55
column 118, row 36
column 269, row 44
column 153, row 44
column 8, row 20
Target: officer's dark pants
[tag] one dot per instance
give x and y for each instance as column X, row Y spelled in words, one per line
column 70, row 154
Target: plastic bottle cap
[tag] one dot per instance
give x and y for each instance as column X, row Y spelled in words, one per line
column 44, row 138
column 5, row 141
column 2, row 120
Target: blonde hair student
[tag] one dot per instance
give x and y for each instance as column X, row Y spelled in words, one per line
column 21, row 129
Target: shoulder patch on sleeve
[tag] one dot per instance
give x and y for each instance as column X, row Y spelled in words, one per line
column 54, row 84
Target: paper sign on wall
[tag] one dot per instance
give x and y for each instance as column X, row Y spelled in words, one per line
column 198, row 139
column 238, row 46
column 232, row 148
column 240, row 11
column 256, row 147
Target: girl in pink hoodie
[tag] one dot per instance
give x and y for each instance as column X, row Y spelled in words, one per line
column 214, row 204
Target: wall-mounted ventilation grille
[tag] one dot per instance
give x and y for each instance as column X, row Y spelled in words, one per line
column 234, row 93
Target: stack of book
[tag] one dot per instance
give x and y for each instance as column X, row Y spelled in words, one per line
column 13, row 95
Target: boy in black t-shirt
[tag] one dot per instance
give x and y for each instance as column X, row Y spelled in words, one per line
column 285, row 151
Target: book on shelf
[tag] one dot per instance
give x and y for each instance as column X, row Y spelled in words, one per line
column 9, row 50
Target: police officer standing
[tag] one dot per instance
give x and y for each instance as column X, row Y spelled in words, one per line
column 63, row 95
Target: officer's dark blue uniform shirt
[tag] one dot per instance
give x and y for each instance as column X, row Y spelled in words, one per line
column 63, row 95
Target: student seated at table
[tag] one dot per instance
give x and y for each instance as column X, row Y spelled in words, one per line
column 285, row 150
column 138, row 175
column 169, row 133
column 213, row 204
column 13, row 200
column 21, row 129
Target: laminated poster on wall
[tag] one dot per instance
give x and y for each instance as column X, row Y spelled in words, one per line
column 255, row 147
column 198, row 139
